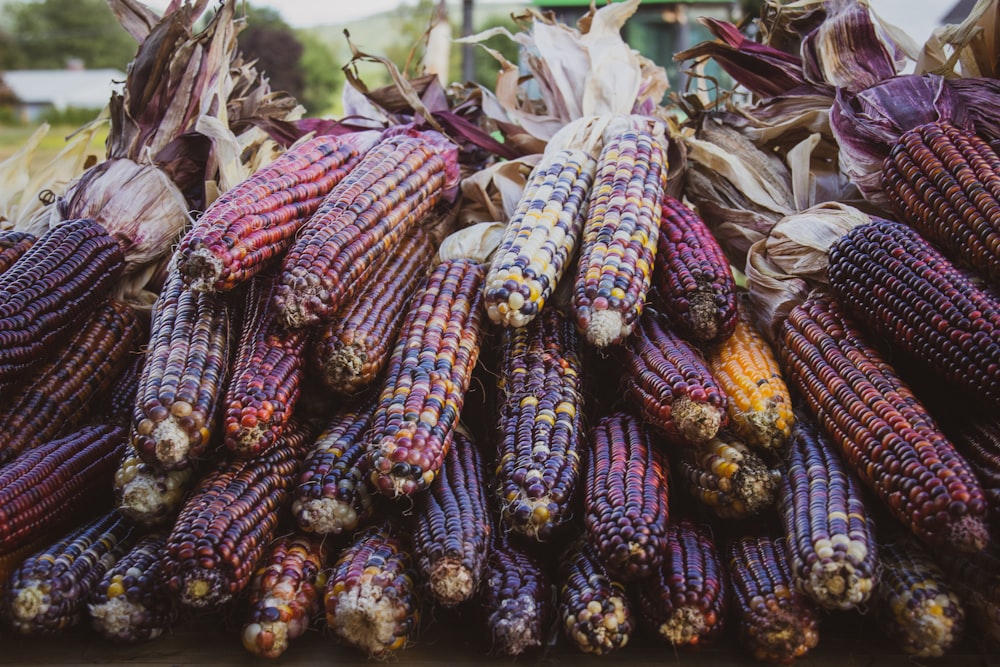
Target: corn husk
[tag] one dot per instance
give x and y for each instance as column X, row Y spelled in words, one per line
column 477, row 242
column 969, row 49
column 783, row 24
column 493, row 193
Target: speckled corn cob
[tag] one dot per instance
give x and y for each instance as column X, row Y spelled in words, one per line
column 626, row 505
column 50, row 291
column 776, row 623
column 943, row 181
column 694, row 282
column 829, row 536
column 183, row 376
column 541, row 423
column 266, row 377
column 121, row 398
column 254, row 223
column 620, row 234
column 228, row 521
column 914, row 603
column 684, row 601
column 540, row 239
column 49, row 591
column 12, row 246
column 371, row 599
column 516, row 595
column 48, row 487
column 976, row 578
column 727, row 478
column 148, row 495
column 131, row 604
column 902, row 289
column 62, row 393
column 883, row 432
column 978, row 440
column 594, row 610
column 428, row 375
column 452, row 534
column 285, row 595
column 350, row 352
column 760, row 406
column 669, row 383
column 11, row 560
column 395, row 185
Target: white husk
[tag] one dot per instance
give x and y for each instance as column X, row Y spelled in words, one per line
column 493, row 193
column 477, row 242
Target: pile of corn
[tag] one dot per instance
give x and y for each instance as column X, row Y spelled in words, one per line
column 332, row 419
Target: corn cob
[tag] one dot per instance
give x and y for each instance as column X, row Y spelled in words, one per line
column 593, row 608
column 183, row 376
column 885, row 435
column 626, row 506
column 148, row 495
column 727, row 478
column 540, row 238
column 332, row 494
column 130, row 604
column 254, row 223
column 371, row 598
column 976, row 579
column 121, row 398
column 266, row 378
column 452, row 533
column 50, row 290
column 776, row 623
column 760, row 406
column 285, row 595
column 11, row 560
column 394, row 186
column 516, row 596
column 12, row 246
column 620, row 234
column 685, row 599
column 353, row 350
column 541, row 418
column 49, row 591
column 694, row 282
column 914, row 603
column 48, row 487
column 428, row 375
column 830, row 539
column 978, row 440
column 942, row 181
column 61, row 394
column 228, row 521
column 890, row 279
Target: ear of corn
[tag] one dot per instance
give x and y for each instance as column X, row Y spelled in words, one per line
column 121, row 398
column 884, row 433
column 976, row 579
column 727, row 478
column 147, row 494
column 12, row 246
column 594, row 610
column 978, row 440
column 541, row 424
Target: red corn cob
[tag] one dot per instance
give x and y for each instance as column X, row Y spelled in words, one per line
column 883, row 432
column 12, row 246
column 978, row 440
column 593, row 608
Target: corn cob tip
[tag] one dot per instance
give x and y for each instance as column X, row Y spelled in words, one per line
column 683, row 627
column 202, row 270
column 202, row 588
column 267, row 640
column 531, row 517
column 756, row 485
column 344, row 366
column 325, row 515
column 397, row 479
column 928, row 629
column 30, row 603
column 968, row 533
column 769, row 426
column 114, row 618
column 141, row 498
column 836, row 585
column 510, row 625
column 606, row 327
column 704, row 318
column 785, row 639
column 600, row 629
column 172, row 441
column 696, row 422
column 368, row 619
column 451, row 582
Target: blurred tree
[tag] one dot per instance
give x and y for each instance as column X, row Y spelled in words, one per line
column 273, row 44
column 323, row 77
column 751, row 8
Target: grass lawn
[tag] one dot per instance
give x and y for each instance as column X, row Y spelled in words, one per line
column 13, row 138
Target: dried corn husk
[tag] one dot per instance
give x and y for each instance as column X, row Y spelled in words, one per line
column 784, row 24
column 970, row 48
column 493, row 193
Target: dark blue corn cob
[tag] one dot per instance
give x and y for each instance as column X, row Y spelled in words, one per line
column 594, row 610
column 12, row 246
column 978, row 440
column 976, row 578
column 121, row 399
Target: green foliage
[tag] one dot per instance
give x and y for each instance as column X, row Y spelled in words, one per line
column 487, row 67
column 70, row 116
column 323, row 78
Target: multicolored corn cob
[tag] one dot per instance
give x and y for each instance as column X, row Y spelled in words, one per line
column 684, row 601
column 541, row 423
column 451, row 537
column 760, row 405
column 978, row 440
column 516, row 596
column 886, row 436
column 593, row 608
column 726, row 477
column 395, row 185
column 285, row 595
column 227, row 522
column 62, row 393
column 620, row 234
column 48, row 487
column 829, row 535
column 976, row 579
column 540, row 238
column 694, row 282
column 49, row 591
column 266, row 377
column 626, row 498
column 183, row 376
column 371, row 597
column 11, row 560
column 898, row 285
column 670, row 385
column 428, row 375
column 914, row 602
column 131, row 604
column 12, row 246
column 942, row 181
column 121, row 398
column 50, row 291
column 776, row 623
column 147, row 494
column 254, row 223
column 350, row 352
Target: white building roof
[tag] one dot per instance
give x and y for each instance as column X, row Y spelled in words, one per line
column 89, row 88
